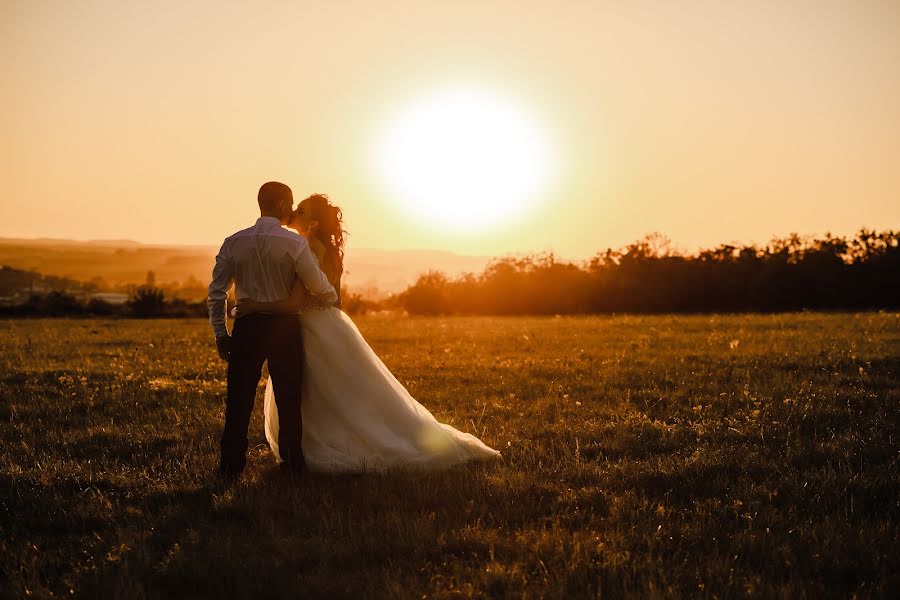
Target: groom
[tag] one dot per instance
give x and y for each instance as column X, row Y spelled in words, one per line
column 262, row 262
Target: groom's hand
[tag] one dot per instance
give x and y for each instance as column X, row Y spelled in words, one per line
column 223, row 345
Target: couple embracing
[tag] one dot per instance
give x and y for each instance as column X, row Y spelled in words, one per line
column 331, row 405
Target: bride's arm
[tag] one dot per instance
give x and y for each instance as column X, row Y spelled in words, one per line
column 320, row 252
column 337, row 287
column 289, row 305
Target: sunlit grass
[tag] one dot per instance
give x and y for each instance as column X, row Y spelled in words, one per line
column 662, row 456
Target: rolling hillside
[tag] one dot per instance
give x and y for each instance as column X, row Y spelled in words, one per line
column 117, row 262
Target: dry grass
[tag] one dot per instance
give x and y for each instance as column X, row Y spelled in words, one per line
column 703, row 456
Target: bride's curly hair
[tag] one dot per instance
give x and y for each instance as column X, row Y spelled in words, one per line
column 331, row 226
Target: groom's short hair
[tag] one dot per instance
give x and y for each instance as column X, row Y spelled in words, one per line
column 272, row 194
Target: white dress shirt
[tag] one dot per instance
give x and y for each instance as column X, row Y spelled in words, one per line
column 262, row 262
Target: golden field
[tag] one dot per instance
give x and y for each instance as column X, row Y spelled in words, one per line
column 656, row 456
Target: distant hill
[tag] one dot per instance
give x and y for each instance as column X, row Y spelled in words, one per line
column 117, row 262
column 64, row 242
column 371, row 272
column 16, row 285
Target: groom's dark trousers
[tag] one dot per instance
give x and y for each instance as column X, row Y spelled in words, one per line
column 255, row 339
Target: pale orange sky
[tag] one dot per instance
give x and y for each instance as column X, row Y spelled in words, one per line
column 708, row 121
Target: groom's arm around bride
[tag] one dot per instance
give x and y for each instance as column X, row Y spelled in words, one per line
column 262, row 262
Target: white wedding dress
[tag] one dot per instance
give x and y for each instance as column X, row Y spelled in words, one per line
column 356, row 415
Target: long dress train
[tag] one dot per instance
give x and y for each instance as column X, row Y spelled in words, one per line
column 356, row 415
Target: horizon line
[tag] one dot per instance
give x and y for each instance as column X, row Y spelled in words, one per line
column 674, row 244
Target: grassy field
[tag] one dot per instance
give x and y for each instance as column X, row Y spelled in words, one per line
column 670, row 456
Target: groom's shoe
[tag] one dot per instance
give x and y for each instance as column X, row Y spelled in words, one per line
column 226, row 478
column 291, row 471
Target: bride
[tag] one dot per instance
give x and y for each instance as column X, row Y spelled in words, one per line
column 356, row 415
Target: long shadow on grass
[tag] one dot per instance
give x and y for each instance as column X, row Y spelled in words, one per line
column 274, row 536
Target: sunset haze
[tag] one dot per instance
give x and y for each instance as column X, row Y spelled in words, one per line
column 706, row 121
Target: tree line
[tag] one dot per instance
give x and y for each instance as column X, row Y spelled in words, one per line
column 146, row 302
column 649, row 276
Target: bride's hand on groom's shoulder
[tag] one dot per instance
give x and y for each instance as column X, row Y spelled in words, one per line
column 223, row 346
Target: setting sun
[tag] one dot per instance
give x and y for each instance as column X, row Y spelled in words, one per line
column 464, row 159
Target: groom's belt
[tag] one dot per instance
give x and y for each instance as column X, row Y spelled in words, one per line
column 263, row 313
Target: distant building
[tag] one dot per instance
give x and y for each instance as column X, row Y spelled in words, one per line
column 12, row 300
column 110, row 298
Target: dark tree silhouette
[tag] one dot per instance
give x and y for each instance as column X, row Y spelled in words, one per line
column 648, row 276
column 428, row 296
column 147, row 302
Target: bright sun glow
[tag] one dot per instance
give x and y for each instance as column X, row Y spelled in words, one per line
column 465, row 159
